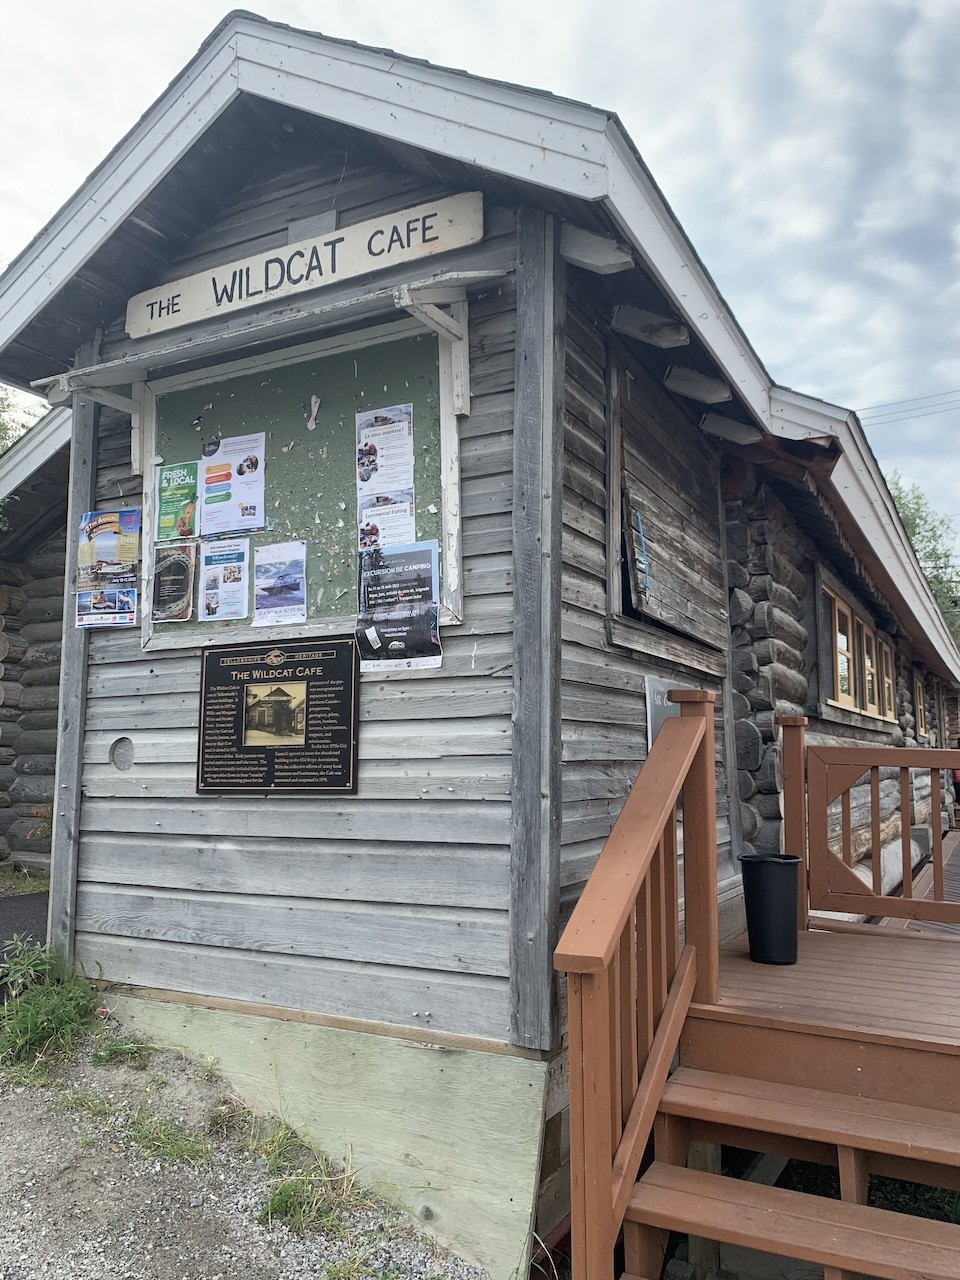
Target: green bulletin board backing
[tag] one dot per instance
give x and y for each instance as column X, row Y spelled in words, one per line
column 311, row 475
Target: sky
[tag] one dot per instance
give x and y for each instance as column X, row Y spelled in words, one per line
column 809, row 148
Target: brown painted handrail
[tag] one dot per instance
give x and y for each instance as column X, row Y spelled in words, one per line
column 628, row 986
column 591, row 936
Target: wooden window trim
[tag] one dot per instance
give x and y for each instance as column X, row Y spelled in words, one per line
column 888, row 681
column 919, row 706
column 862, row 637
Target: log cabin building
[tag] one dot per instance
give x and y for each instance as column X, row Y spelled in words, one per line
column 302, row 233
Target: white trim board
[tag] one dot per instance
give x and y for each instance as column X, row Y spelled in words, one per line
column 35, row 447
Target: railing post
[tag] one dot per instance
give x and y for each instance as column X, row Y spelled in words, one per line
column 795, row 803
column 700, row 847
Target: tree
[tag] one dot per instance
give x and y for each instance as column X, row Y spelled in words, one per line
column 932, row 536
column 15, row 417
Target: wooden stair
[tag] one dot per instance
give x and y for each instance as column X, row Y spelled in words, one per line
column 860, row 1135
column 841, row 1237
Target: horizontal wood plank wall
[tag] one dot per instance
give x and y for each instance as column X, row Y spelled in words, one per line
column 602, row 690
column 391, row 906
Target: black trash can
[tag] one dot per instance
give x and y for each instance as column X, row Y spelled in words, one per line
column 770, row 884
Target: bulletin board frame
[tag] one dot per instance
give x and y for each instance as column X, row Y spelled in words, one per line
column 163, row 636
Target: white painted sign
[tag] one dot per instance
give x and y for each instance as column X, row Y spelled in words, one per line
column 376, row 245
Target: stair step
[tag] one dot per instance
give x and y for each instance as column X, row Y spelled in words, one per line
column 866, row 1124
column 853, row 1237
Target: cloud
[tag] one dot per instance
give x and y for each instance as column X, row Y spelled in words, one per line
column 807, row 146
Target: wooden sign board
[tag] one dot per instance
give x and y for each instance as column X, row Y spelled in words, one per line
column 279, row 718
column 379, row 244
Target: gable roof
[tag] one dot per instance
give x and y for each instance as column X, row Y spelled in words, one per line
column 254, row 82
column 577, row 155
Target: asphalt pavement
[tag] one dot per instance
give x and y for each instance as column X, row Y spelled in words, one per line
column 25, row 914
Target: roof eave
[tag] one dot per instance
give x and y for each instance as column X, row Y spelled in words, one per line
column 862, row 500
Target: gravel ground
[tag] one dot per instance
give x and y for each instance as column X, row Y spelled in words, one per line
column 83, row 1201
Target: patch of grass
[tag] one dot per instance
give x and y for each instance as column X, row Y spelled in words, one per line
column 32, row 1075
column 352, row 1268
column 168, row 1141
column 127, row 1050
column 87, row 1104
column 279, row 1145
column 231, row 1116
column 316, row 1199
column 18, row 881
column 47, row 1007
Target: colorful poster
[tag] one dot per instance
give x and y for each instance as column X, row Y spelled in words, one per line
column 386, row 520
column 173, row 575
column 280, row 584
column 398, row 623
column 109, row 544
column 176, row 500
column 384, row 450
column 224, row 580
column 231, row 485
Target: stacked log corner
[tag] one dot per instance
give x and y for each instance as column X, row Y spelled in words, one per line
column 769, row 620
column 31, row 620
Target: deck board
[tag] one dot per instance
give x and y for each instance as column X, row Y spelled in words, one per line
column 892, row 984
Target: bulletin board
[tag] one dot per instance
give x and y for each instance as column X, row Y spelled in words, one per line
column 310, row 471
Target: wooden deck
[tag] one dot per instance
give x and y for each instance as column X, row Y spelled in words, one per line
column 889, row 984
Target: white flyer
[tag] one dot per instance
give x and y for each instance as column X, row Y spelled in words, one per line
column 386, row 520
column 224, row 580
column 231, row 485
column 280, row 584
column 384, row 450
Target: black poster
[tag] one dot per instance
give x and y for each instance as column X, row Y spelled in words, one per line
column 279, row 718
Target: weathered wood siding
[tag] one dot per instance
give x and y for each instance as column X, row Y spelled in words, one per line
column 390, row 906
column 602, row 690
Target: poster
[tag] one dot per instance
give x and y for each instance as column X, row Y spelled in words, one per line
column 386, row 520
column 224, row 580
column 280, row 585
column 232, row 485
column 398, row 623
column 384, row 450
column 177, row 500
column 173, row 576
column 108, row 547
column 279, row 717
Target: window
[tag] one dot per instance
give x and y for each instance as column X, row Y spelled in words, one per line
column 860, row 675
column 888, row 703
column 919, row 706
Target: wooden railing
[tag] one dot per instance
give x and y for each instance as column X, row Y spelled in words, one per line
column 629, row 987
column 827, row 777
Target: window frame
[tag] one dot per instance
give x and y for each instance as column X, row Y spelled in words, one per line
column 919, row 705
column 863, row 653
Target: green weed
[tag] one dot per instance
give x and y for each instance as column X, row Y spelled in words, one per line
column 279, row 1145
column 317, row 1198
column 32, row 1075
column 123, row 1049
column 18, row 881
column 167, row 1140
column 46, row 1005
column 86, row 1103
column 352, row 1268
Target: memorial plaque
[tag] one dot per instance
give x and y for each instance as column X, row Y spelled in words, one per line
column 279, row 718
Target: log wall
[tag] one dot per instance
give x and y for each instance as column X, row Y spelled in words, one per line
column 31, row 621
